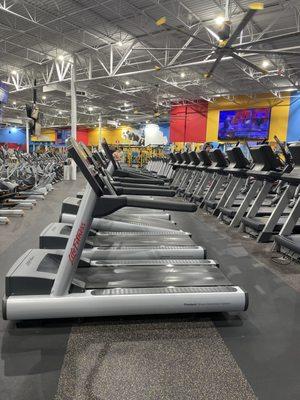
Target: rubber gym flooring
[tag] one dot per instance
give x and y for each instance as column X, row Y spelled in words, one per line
column 253, row 355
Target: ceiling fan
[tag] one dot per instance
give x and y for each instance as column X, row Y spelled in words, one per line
column 226, row 39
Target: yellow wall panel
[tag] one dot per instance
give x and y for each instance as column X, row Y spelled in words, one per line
column 47, row 135
column 111, row 135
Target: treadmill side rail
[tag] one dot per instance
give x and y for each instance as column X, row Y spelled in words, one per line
column 136, row 301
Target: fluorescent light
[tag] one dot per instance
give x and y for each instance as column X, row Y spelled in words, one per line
column 265, row 63
column 213, row 34
column 220, row 20
column 182, row 74
column 289, row 89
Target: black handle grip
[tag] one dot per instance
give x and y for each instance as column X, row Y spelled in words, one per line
column 147, row 181
column 145, row 192
column 141, row 186
column 161, row 204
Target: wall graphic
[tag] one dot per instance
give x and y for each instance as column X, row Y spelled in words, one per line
column 14, row 137
column 154, row 135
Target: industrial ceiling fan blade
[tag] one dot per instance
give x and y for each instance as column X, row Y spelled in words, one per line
column 249, row 64
column 267, row 40
column 271, row 52
column 163, row 22
column 253, row 8
column 214, row 66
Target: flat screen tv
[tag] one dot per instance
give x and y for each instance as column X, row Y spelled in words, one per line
column 250, row 124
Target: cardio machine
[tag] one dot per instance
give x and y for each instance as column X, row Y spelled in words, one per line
column 47, row 284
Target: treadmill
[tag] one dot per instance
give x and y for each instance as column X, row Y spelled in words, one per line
column 157, row 243
column 264, row 227
column 45, row 284
column 286, row 242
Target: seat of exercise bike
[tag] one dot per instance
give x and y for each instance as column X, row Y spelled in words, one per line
column 291, row 242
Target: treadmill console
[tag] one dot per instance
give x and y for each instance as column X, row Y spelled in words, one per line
column 237, row 157
column 108, row 154
column 265, row 159
column 85, row 166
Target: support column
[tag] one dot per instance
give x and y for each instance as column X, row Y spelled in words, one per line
column 73, row 114
column 100, row 131
column 27, row 137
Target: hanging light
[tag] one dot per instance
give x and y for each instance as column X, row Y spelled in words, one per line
column 265, row 63
column 220, row 20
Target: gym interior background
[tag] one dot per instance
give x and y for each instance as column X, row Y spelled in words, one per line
column 149, row 199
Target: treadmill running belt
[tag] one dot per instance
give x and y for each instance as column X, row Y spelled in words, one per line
column 139, row 276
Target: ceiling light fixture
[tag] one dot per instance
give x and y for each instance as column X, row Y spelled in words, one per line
column 182, row 74
column 14, row 103
column 90, row 109
column 59, row 112
column 219, row 20
column 44, row 97
column 61, row 57
column 265, row 63
column 14, row 72
column 127, row 83
column 126, row 117
column 119, row 43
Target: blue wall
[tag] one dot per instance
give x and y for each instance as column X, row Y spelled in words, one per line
column 293, row 133
column 13, row 135
column 164, row 127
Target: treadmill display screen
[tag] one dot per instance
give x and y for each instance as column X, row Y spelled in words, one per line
column 251, row 124
column 85, row 166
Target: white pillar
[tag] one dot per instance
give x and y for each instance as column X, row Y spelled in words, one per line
column 73, row 114
column 100, row 131
column 27, row 137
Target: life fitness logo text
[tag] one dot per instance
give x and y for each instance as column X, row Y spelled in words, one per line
column 76, row 242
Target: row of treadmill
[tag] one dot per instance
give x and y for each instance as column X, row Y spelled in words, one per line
column 259, row 196
column 116, row 249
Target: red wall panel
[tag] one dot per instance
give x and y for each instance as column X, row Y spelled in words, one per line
column 188, row 123
column 82, row 136
column 177, row 123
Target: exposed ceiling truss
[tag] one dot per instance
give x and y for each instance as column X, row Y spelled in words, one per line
column 127, row 65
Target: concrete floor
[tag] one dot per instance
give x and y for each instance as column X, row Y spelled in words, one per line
column 252, row 355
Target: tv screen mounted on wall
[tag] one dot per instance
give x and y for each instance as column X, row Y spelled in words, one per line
column 249, row 124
